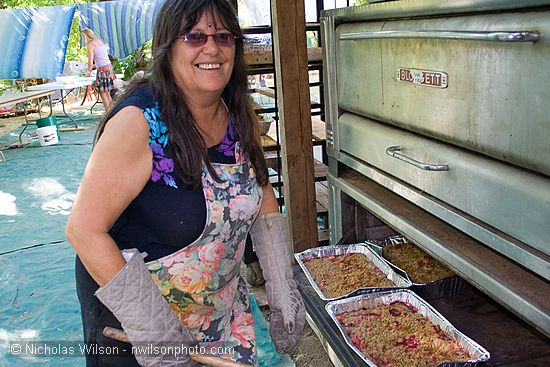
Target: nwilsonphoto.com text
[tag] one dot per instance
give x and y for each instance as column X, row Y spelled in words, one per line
column 78, row 349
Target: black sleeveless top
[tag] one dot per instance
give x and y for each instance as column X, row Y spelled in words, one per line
column 167, row 215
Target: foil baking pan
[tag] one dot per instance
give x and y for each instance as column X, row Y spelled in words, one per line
column 326, row 251
column 480, row 356
column 441, row 288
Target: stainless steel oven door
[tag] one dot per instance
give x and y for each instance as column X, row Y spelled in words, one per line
column 481, row 82
column 513, row 200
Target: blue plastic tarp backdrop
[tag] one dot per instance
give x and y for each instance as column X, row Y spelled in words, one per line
column 122, row 25
column 34, row 41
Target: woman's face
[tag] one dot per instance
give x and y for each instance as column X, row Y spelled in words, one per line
column 203, row 70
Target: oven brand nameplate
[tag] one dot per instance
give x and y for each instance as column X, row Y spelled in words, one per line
column 434, row 79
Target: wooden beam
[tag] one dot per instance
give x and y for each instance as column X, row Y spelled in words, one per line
column 291, row 62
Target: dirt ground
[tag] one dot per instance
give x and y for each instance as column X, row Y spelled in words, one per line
column 309, row 352
column 9, row 124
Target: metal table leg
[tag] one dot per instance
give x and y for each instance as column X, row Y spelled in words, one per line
column 63, row 106
column 27, row 120
column 96, row 102
column 26, row 124
column 85, row 95
column 50, row 105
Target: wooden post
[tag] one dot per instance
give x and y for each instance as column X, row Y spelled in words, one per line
column 290, row 57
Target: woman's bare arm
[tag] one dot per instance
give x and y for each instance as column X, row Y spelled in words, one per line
column 269, row 202
column 118, row 169
column 90, row 47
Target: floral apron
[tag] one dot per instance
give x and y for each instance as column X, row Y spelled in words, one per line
column 202, row 282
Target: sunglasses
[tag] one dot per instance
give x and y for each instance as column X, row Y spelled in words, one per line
column 198, row 39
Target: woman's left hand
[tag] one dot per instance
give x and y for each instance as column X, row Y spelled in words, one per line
column 271, row 241
column 286, row 325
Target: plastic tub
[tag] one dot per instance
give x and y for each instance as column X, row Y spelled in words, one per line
column 48, row 121
column 47, row 135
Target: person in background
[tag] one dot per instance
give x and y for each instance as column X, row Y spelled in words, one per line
column 176, row 181
column 97, row 54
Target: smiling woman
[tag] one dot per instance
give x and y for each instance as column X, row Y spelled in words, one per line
column 202, row 64
column 177, row 179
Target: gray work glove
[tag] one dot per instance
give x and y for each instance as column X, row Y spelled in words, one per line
column 144, row 314
column 271, row 241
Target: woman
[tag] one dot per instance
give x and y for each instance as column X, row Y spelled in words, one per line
column 178, row 172
column 97, row 54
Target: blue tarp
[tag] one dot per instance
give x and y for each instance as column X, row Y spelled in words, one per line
column 34, row 41
column 122, row 25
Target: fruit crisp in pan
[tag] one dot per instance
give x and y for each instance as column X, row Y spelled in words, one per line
column 397, row 335
column 342, row 274
column 421, row 267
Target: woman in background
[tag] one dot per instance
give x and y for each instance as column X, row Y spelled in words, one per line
column 97, row 54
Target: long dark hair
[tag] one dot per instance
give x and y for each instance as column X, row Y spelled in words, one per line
column 176, row 17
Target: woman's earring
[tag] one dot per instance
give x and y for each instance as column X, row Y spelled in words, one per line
column 209, row 24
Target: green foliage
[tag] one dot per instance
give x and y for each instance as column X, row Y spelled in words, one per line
column 4, row 85
column 6, row 4
column 136, row 61
column 360, row 2
column 74, row 51
column 312, row 38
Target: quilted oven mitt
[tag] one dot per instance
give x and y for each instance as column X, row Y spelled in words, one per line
column 271, row 241
column 144, row 314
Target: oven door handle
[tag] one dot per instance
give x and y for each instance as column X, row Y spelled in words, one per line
column 395, row 152
column 515, row 36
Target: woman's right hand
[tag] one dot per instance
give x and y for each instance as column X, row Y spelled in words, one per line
column 118, row 169
column 146, row 316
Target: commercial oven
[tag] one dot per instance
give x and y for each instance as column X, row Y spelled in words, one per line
column 438, row 124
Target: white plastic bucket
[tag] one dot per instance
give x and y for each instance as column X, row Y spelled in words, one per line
column 47, row 135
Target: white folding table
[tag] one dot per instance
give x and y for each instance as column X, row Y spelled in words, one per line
column 68, row 87
column 23, row 97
